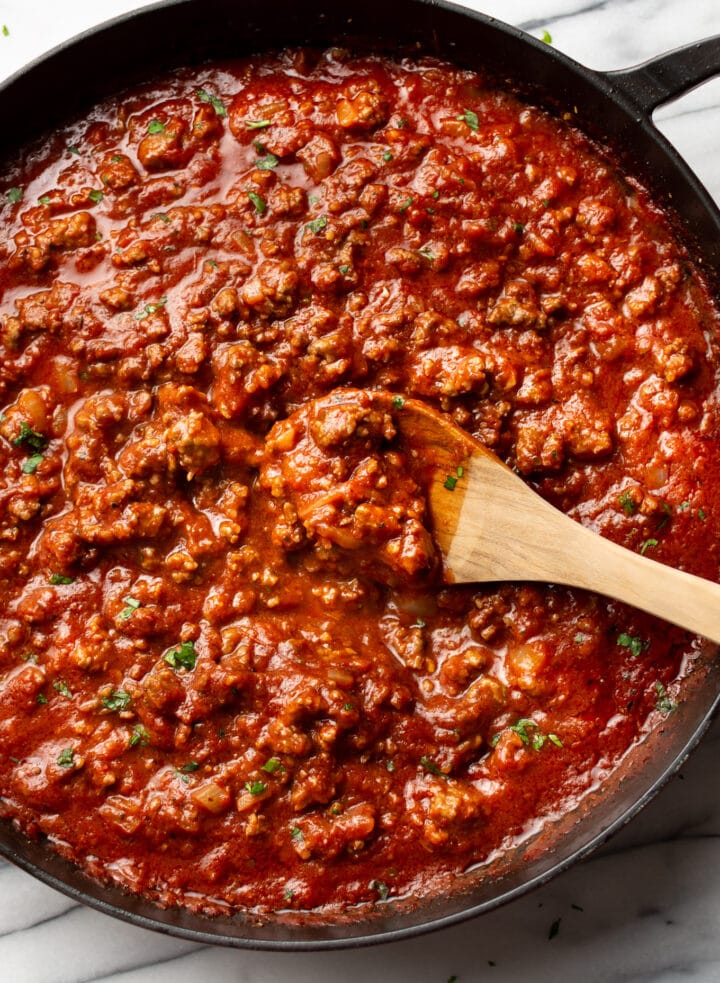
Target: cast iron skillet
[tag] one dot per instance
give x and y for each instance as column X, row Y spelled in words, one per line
column 616, row 109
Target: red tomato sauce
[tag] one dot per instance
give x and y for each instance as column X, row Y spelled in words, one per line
column 205, row 696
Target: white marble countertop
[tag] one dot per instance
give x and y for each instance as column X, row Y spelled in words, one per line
column 646, row 907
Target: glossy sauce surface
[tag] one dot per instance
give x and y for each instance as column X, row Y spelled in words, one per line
column 209, row 693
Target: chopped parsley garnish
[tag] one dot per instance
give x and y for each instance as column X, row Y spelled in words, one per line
column 131, row 606
column 155, row 126
column 518, row 227
column 296, row 833
column 150, row 309
column 67, row 758
column 267, row 162
column 56, row 579
column 344, row 270
column 460, row 471
column 288, row 894
column 683, row 506
column 188, row 768
column 44, row 200
column 75, row 151
column 255, row 788
column 162, row 216
column 627, row 503
column 546, row 37
column 14, row 195
column 30, row 657
column 663, row 703
column 381, row 888
column 387, row 156
column 257, row 201
column 257, row 124
column 318, row 224
column 471, row 119
column 117, row 700
column 41, row 699
column 398, row 402
column 580, row 637
column 61, row 687
column 95, row 195
column 32, row 464
column 115, row 159
column 273, row 765
column 139, row 736
column 450, row 482
column 702, row 515
column 427, row 253
column 30, row 438
column 406, row 204
column 217, row 104
column 429, row 765
column 536, row 740
column 647, row 545
column 633, row 643
column 390, row 766
column 184, row 657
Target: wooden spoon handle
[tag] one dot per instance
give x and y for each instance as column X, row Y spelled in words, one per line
column 513, row 534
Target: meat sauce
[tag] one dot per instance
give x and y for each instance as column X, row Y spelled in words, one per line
column 221, row 683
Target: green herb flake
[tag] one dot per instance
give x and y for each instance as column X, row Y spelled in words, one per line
column 580, row 638
column 44, row 200
column 188, row 768
column 633, row 643
column 139, row 736
column 61, row 687
column 58, row 579
column 150, row 309
column 183, row 657
column 67, row 758
column 255, row 788
column 520, row 727
column 538, row 741
column 41, row 699
column 450, row 482
column 217, row 104
column 381, row 888
column 519, row 228
column 14, row 195
column 471, row 119
column 426, row 253
column 162, row 216
column 436, row 194
column 702, row 515
column 75, row 151
column 387, row 156
column 257, row 124
column 296, row 833
column 398, row 402
column 30, row 657
column 405, row 205
column 313, row 199
column 28, row 437
column 647, row 545
column 318, row 224
column 627, row 503
column 683, row 506
column 267, row 163
column 32, row 464
column 390, row 766
column 546, row 37
column 155, row 126
column 117, row 700
column 6, row 31
column 460, row 471
column 663, row 702
column 429, row 765
column 554, row 739
column 96, row 195
column 257, row 201
column 344, row 270
column 554, row 929
column 131, row 606
column 273, row 765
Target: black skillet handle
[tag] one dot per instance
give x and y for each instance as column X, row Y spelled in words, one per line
column 665, row 78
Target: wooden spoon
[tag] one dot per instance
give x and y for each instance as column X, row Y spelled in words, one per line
column 489, row 525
